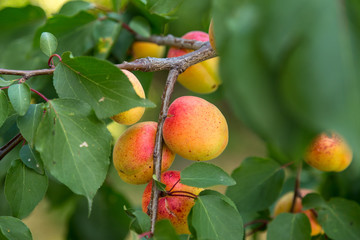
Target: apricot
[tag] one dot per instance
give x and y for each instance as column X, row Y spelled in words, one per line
column 133, row 153
column 284, row 205
column 146, row 49
column 195, row 129
column 329, row 153
column 175, row 208
column 202, row 77
column 132, row 115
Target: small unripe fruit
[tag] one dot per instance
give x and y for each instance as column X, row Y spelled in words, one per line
column 202, row 77
column 329, row 153
column 195, row 129
column 174, row 208
column 211, row 35
column 146, row 49
column 133, row 153
column 132, row 115
column 284, row 205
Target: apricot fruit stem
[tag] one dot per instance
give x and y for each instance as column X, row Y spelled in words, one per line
column 184, row 192
column 174, row 185
column 296, row 187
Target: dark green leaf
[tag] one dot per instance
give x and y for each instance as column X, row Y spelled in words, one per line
column 204, row 175
column 16, row 30
column 223, row 197
column 24, row 189
column 4, row 106
column 74, row 146
column 105, row 33
column 107, row 220
column 165, row 231
column 30, row 121
column 159, row 185
column 73, row 33
column 163, row 7
column 340, row 218
column 74, row 7
column 141, row 26
column 257, row 178
column 98, row 83
column 13, row 229
column 145, row 79
column 31, row 158
column 140, row 222
column 213, row 218
column 19, row 95
column 48, row 43
column 289, row 226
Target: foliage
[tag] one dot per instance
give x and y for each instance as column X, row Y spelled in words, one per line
column 289, row 72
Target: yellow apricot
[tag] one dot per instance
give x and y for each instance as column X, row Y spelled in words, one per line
column 195, row 129
column 329, row 153
column 146, row 49
column 133, row 153
column 132, row 115
column 284, row 205
column 202, row 77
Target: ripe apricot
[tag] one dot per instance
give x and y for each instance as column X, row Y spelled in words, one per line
column 283, row 205
column 195, row 129
column 172, row 207
column 202, row 77
column 133, row 153
column 329, row 153
column 132, row 115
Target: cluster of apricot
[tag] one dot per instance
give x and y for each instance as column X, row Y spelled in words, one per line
column 194, row 128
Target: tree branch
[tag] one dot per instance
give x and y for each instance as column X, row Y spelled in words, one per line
column 165, row 102
column 10, row 145
column 170, row 40
column 296, row 187
column 148, row 64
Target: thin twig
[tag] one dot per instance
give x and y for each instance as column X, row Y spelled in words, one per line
column 256, row 229
column 165, row 102
column 10, row 145
column 296, row 187
column 256, row 221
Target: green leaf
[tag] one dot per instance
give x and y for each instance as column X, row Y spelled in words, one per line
column 107, row 220
column 13, row 229
column 74, row 33
column 4, row 83
column 31, row 158
column 19, row 95
column 74, row 146
column 4, row 106
column 257, row 178
column 289, row 226
column 48, row 43
column 97, row 82
column 105, row 33
column 140, row 222
column 141, row 26
column 340, row 218
column 24, row 189
column 204, row 175
column 274, row 85
column 74, row 7
column 159, row 185
column 213, row 218
column 16, row 30
column 29, row 123
column 163, row 7
column 223, row 197
column 165, row 231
